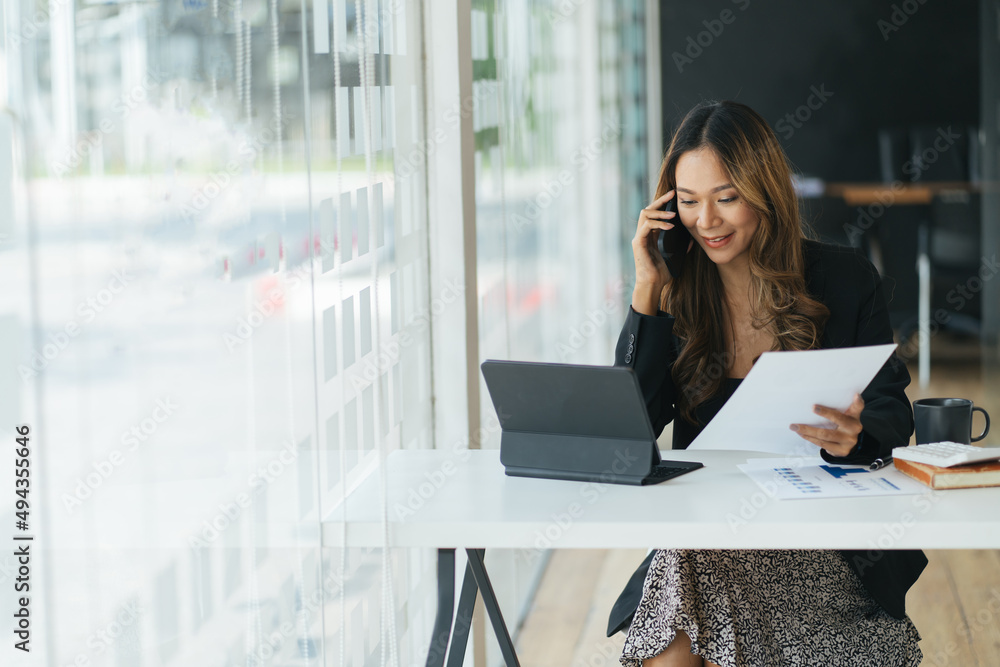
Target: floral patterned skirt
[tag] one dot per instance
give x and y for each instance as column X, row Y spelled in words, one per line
column 765, row 608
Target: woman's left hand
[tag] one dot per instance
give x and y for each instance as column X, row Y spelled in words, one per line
column 837, row 441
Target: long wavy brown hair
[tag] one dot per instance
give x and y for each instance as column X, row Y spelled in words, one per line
column 759, row 171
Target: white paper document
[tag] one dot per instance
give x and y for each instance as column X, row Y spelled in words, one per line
column 815, row 478
column 781, row 389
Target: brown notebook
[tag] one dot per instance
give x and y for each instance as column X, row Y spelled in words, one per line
column 957, row 477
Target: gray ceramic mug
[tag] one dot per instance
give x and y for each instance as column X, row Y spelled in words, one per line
column 946, row 419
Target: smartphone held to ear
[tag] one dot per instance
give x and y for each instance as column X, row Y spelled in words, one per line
column 673, row 243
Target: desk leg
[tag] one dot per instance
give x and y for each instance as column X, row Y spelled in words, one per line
column 446, row 603
column 463, row 619
column 476, row 579
column 492, row 606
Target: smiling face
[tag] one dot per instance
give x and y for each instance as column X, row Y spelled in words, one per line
column 711, row 208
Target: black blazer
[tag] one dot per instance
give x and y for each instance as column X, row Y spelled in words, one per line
column 844, row 280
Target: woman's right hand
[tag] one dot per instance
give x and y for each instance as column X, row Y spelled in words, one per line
column 651, row 273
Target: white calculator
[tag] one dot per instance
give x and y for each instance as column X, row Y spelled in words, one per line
column 946, row 454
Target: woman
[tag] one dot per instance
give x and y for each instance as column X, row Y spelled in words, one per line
column 752, row 283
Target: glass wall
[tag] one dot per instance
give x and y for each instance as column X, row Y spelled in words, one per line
column 554, row 124
column 218, row 315
column 215, row 322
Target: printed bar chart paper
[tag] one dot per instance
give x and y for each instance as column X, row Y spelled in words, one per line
column 815, row 478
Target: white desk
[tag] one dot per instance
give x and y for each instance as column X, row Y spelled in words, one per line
column 450, row 500
column 477, row 506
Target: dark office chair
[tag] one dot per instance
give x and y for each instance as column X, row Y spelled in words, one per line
column 950, row 236
column 893, row 153
column 948, row 268
column 940, row 152
column 894, row 232
column 896, row 235
column 940, row 240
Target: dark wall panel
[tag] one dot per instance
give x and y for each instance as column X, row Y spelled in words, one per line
column 869, row 71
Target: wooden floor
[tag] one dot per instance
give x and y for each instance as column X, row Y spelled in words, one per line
column 955, row 604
